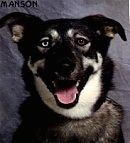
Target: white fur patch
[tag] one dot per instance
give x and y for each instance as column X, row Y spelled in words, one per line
column 96, row 65
column 70, row 32
column 87, row 46
column 54, row 34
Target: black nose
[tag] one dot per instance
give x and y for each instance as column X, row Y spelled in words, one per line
column 65, row 68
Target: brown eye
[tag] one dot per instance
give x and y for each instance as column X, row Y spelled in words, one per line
column 81, row 41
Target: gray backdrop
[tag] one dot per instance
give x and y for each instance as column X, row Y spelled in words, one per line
column 11, row 85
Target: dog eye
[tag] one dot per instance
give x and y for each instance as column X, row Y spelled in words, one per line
column 81, row 41
column 45, row 43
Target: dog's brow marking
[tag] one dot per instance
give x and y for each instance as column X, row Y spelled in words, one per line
column 70, row 32
column 54, row 34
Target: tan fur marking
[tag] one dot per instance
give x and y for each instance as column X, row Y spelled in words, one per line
column 17, row 31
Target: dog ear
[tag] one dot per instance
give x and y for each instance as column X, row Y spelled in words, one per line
column 105, row 26
column 25, row 30
column 20, row 24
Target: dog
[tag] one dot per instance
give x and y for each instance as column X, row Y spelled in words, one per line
column 68, row 74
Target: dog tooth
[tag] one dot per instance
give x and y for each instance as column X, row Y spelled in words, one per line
column 54, row 83
column 77, row 84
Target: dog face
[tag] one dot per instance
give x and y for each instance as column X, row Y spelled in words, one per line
column 65, row 57
column 65, row 63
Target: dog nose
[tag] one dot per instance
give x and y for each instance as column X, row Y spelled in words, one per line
column 65, row 68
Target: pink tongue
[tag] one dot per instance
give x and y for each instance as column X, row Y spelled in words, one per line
column 67, row 96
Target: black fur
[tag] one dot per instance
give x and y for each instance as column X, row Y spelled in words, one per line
column 63, row 64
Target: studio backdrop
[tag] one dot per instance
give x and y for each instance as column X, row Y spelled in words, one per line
column 12, row 92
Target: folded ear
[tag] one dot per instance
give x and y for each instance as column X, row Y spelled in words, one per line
column 105, row 26
column 20, row 24
column 25, row 30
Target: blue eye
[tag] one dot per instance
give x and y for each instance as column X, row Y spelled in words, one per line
column 45, row 43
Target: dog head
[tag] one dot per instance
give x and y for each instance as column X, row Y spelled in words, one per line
column 65, row 57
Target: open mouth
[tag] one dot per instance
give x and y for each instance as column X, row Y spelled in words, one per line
column 66, row 91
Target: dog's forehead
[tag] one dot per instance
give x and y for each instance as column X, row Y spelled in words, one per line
column 67, row 27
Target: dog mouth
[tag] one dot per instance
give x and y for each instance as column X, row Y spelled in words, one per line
column 66, row 91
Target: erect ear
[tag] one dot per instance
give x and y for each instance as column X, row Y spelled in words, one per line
column 105, row 26
column 20, row 24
